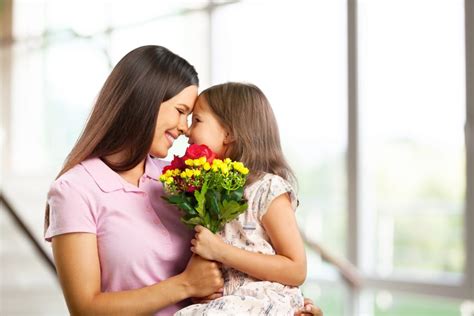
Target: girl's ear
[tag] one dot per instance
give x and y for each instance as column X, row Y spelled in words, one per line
column 229, row 139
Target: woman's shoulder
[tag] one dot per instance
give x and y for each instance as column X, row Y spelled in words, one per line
column 76, row 174
column 160, row 163
column 77, row 178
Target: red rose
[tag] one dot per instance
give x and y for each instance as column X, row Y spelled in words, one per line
column 176, row 163
column 197, row 151
column 167, row 168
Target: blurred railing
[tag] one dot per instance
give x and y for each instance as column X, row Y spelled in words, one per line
column 348, row 271
column 27, row 232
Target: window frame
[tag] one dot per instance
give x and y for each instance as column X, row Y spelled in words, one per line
column 463, row 289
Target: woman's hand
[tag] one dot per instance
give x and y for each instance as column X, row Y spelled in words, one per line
column 207, row 299
column 206, row 244
column 203, row 277
column 309, row 309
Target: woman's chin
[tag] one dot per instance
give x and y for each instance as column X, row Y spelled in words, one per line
column 159, row 153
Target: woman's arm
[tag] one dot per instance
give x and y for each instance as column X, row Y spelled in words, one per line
column 288, row 266
column 77, row 264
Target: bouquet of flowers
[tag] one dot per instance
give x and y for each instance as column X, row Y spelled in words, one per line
column 209, row 191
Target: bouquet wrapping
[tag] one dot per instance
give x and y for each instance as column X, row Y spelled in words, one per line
column 209, row 191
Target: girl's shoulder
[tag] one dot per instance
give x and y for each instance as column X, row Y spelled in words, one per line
column 264, row 190
column 272, row 181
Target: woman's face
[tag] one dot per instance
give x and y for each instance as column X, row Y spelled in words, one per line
column 172, row 120
column 206, row 129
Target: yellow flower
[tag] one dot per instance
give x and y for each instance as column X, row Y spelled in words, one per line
column 225, row 169
column 217, row 162
column 169, row 180
column 189, row 172
column 189, row 162
column 197, row 172
column 227, row 160
column 163, row 177
column 238, row 165
column 183, row 174
column 244, row 171
column 207, row 166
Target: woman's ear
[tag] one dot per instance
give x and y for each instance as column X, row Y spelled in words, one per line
column 229, row 139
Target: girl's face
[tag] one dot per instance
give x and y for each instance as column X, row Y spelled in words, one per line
column 172, row 120
column 207, row 130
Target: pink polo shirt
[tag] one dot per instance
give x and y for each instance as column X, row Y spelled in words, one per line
column 140, row 238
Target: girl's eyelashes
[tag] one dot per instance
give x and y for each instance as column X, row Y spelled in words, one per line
column 180, row 111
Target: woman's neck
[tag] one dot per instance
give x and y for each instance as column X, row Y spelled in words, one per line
column 132, row 175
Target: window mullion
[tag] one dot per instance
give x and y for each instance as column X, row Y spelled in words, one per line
column 353, row 228
column 469, row 136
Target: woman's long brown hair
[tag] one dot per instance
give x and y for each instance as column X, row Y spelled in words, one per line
column 245, row 112
column 124, row 116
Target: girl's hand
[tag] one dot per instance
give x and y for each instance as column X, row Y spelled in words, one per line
column 202, row 277
column 206, row 244
column 309, row 309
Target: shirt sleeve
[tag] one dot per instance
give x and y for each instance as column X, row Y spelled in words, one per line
column 272, row 187
column 69, row 211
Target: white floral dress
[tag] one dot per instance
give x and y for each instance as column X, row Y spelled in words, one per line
column 244, row 295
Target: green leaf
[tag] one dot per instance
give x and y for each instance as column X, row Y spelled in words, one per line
column 232, row 209
column 181, row 201
column 191, row 222
column 235, row 195
column 213, row 206
column 201, row 199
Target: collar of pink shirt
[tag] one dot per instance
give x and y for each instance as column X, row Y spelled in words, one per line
column 108, row 180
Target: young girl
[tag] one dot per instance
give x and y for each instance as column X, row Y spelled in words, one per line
column 261, row 251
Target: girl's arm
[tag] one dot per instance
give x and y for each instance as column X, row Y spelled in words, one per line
column 77, row 264
column 288, row 266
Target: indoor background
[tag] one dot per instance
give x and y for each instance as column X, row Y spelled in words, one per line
column 375, row 104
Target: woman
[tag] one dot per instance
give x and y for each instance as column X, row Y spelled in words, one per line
column 117, row 249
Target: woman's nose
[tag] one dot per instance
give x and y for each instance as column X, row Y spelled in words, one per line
column 188, row 131
column 183, row 127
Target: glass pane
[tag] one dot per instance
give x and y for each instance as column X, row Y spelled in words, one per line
column 305, row 81
column 412, row 114
column 386, row 303
column 329, row 297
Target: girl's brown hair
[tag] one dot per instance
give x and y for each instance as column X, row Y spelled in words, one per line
column 124, row 116
column 245, row 112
